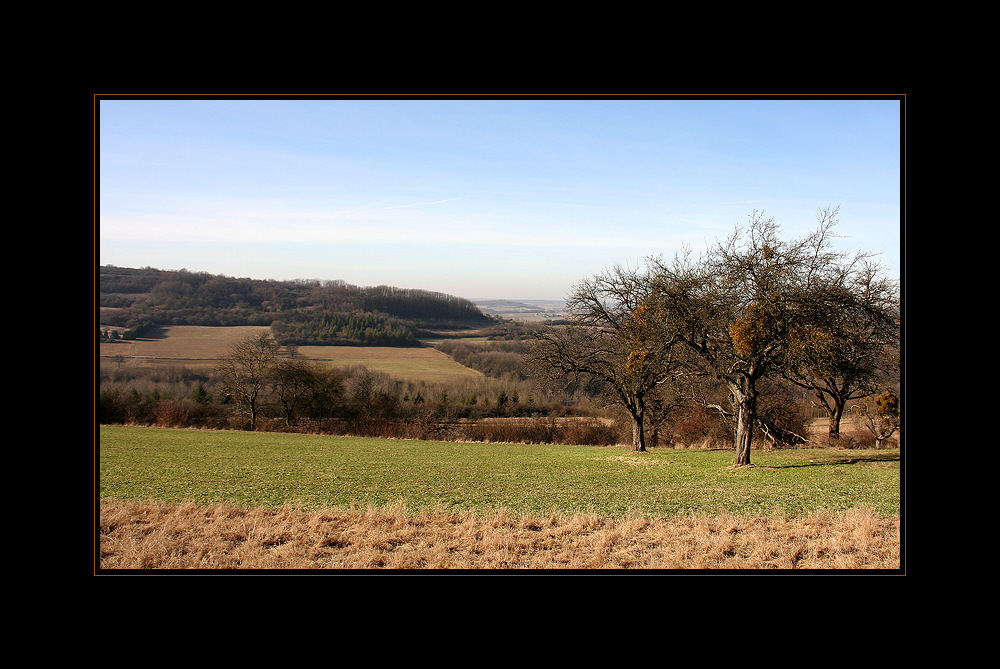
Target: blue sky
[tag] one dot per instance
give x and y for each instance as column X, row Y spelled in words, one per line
column 481, row 198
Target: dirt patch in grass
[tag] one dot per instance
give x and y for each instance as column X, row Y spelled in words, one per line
column 154, row 536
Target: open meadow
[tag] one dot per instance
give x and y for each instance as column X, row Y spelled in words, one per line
column 180, row 498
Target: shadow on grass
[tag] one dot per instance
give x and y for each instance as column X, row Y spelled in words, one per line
column 877, row 457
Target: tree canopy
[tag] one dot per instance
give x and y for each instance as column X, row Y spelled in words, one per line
column 619, row 342
column 756, row 306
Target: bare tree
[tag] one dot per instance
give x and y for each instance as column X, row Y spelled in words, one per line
column 294, row 383
column 619, row 342
column 245, row 370
column 740, row 304
column 661, row 404
column 880, row 415
column 850, row 341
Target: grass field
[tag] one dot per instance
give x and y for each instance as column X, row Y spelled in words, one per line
column 311, row 472
column 189, row 499
column 202, row 347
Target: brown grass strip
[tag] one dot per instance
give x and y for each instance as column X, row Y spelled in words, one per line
column 155, row 536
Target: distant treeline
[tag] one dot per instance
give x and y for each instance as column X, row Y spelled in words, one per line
column 306, row 312
column 326, row 328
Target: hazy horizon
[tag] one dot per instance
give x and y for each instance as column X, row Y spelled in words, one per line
column 516, row 199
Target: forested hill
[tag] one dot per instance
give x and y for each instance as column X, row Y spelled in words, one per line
column 299, row 312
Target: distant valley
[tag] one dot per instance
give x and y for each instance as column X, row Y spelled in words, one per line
column 523, row 310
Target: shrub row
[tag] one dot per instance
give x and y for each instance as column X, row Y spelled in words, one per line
column 541, row 430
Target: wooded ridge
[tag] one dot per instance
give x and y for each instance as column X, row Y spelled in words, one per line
column 299, row 311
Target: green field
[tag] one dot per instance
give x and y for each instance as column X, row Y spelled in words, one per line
column 273, row 470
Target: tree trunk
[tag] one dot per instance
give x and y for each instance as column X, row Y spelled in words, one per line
column 636, row 406
column 746, row 416
column 638, row 435
column 836, row 415
column 253, row 412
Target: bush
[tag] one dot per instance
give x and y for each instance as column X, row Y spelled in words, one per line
column 117, row 404
column 691, row 425
column 110, row 406
column 589, row 432
column 540, row 430
column 175, row 413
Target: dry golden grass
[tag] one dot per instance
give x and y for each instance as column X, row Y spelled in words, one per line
column 189, row 345
column 153, row 536
column 410, row 364
column 200, row 347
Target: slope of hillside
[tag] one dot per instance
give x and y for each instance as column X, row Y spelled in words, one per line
column 299, row 312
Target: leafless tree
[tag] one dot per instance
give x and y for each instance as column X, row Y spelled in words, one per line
column 245, row 370
column 661, row 405
column 619, row 342
column 744, row 305
column 295, row 383
column 849, row 343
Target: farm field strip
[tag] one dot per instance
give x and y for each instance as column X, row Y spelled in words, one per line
column 202, row 347
column 184, row 341
column 418, row 364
